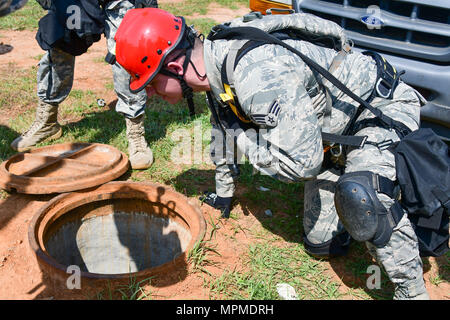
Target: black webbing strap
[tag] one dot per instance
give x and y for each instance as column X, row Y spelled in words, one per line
column 224, row 78
column 387, row 77
column 384, row 185
column 188, row 93
column 354, row 141
column 258, row 34
column 235, row 171
column 388, row 187
column 213, row 111
column 249, row 45
column 110, row 58
column 397, row 212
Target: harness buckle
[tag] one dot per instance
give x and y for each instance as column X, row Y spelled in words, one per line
column 226, row 98
column 336, row 150
column 383, row 88
column 363, row 142
column 383, row 145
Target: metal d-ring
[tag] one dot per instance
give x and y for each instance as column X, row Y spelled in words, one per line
column 336, row 150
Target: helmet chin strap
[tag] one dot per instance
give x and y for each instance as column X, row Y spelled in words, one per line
column 188, row 92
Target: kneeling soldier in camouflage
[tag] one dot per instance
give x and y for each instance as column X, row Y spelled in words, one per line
column 257, row 88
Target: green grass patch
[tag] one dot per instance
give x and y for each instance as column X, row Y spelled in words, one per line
column 163, row 125
column 200, row 7
column 26, row 18
column 203, row 25
column 100, row 60
column 6, row 137
column 133, row 290
column 109, row 85
column 269, row 265
column 198, row 256
column 39, row 57
column 17, row 95
column 17, row 86
column 191, row 7
column 443, row 269
column 285, row 201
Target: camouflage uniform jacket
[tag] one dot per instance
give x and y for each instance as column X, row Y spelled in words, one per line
column 281, row 95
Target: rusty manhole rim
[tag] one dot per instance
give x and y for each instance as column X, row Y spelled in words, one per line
column 53, row 263
column 98, row 175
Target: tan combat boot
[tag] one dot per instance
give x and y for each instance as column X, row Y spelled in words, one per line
column 140, row 155
column 45, row 127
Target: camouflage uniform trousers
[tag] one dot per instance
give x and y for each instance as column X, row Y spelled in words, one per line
column 56, row 70
column 400, row 256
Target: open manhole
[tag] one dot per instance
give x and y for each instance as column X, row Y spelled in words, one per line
column 115, row 230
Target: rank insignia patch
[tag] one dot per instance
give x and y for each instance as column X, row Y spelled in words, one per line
column 270, row 119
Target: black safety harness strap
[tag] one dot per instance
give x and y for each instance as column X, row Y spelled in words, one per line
column 390, row 188
column 235, row 171
column 387, row 77
column 255, row 34
column 228, row 66
column 188, row 93
column 354, row 141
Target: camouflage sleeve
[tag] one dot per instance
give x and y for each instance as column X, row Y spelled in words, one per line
column 273, row 95
column 223, row 176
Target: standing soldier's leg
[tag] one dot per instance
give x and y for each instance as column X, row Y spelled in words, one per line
column 400, row 255
column 54, row 82
column 131, row 105
column 324, row 235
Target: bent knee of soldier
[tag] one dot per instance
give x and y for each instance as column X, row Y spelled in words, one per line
column 337, row 245
column 321, row 226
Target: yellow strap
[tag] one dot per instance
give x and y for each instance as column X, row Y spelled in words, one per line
column 395, row 70
column 225, row 98
column 228, row 98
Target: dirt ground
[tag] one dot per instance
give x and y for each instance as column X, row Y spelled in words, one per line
column 20, row 275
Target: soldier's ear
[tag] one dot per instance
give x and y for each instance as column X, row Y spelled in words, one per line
column 175, row 67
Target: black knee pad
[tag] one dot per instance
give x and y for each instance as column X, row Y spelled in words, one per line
column 337, row 246
column 359, row 209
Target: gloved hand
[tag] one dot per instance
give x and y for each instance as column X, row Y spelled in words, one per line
column 217, row 202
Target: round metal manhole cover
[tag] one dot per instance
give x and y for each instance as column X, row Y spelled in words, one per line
column 62, row 168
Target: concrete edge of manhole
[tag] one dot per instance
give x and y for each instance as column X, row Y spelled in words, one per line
column 66, row 202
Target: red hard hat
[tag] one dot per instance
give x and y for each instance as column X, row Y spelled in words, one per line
column 143, row 40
